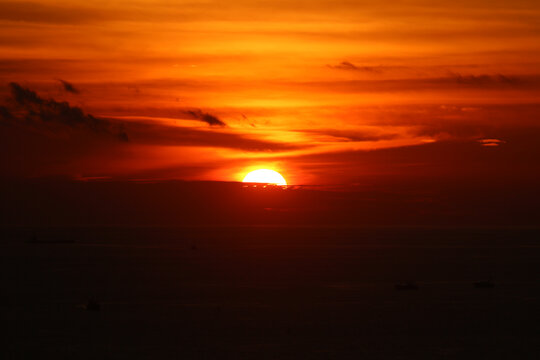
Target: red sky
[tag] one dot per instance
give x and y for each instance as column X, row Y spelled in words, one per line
column 349, row 92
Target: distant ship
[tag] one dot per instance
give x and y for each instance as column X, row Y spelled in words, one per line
column 92, row 305
column 484, row 284
column 408, row 285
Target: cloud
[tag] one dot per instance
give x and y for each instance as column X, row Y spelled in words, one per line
column 444, row 160
column 69, row 87
column 5, row 114
column 165, row 135
column 350, row 135
column 50, row 14
column 45, row 137
column 484, row 79
column 37, row 111
column 345, row 65
column 31, row 110
column 491, row 142
column 452, row 82
column 205, row 117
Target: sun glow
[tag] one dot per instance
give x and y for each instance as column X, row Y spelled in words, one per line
column 265, row 176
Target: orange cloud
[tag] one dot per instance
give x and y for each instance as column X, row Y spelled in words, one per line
column 205, row 89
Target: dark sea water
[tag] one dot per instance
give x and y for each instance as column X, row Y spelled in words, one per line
column 269, row 293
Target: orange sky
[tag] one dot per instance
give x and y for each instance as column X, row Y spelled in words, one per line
column 323, row 91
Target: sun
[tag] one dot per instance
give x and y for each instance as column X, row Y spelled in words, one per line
column 265, row 176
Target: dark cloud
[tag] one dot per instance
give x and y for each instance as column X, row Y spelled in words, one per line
column 450, row 82
column 24, row 96
column 34, row 110
column 31, row 110
column 345, row 65
column 5, row 114
column 484, row 79
column 69, row 87
column 468, row 160
column 44, row 137
column 469, row 123
column 205, row 117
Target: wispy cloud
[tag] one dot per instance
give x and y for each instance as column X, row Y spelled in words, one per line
column 350, row 135
column 149, row 133
column 30, row 109
column 43, row 136
column 69, row 87
column 345, row 65
column 491, row 142
column 35, row 12
column 205, row 117
column 485, row 79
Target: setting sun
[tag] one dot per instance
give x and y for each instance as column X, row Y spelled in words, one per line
column 265, row 176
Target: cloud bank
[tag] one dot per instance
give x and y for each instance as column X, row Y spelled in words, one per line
column 36, row 111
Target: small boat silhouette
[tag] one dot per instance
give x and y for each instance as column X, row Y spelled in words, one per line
column 92, row 305
column 407, row 285
column 484, row 284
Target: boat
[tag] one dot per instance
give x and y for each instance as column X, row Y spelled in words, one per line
column 484, row 284
column 408, row 285
column 92, row 305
